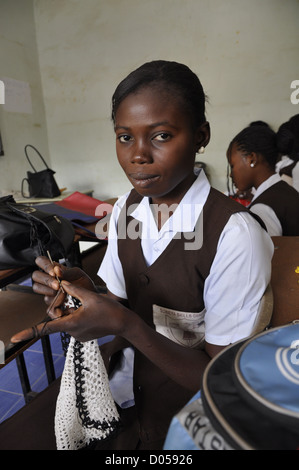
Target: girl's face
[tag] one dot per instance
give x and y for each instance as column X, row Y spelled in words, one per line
column 241, row 171
column 156, row 144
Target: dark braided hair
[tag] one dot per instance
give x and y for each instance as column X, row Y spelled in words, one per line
column 288, row 138
column 167, row 76
column 258, row 139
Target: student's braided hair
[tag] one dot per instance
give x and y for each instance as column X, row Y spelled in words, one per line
column 288, row 138
column 258, row 139
column 169, row 76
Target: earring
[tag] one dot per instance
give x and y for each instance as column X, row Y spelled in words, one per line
column 252, row 165
column 201, row 150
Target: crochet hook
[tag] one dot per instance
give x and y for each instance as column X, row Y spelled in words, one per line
column 59, row 280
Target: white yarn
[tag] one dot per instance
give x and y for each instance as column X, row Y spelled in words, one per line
column 89, row 397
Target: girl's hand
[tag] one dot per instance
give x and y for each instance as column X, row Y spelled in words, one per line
column 45, row 282
column 98, row 316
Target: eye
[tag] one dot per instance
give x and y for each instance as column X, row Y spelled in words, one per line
column 162, row 137
column 124, row 138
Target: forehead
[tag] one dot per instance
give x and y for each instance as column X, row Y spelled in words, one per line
column 234, row 154
column 150, row 103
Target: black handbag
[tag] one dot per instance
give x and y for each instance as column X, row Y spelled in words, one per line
column 26, row 232
column 40, row 183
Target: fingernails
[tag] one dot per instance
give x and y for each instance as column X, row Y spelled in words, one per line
column 55, row 285
column 15, row 340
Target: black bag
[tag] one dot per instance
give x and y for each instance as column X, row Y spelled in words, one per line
column 26, row 232
column 41, row 183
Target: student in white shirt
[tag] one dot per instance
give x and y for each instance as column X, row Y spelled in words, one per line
column 192, row 284
column 252, row 156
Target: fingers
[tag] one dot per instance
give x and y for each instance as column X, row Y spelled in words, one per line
column 55, row 309
column 60, row 319
column 74, row 291
column 44, row 284
column 67, row 320
column 45, row 264
column 50, row 268
column 24, row 335
column 37, row 331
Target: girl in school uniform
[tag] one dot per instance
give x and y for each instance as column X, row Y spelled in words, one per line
column 185, row 267
column 252, row 156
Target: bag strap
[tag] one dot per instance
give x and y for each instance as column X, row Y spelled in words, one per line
column 22, row 188
column 25, row 149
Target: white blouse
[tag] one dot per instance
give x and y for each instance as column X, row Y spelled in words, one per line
column 239, row 274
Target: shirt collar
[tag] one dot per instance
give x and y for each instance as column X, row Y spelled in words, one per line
column 266, row 185
column 186, row 213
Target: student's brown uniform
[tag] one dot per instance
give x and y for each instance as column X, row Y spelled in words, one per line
column 175, row 281
column 284, row 200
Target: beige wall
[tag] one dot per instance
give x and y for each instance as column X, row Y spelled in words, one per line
column 245, row 53
column 19, row 61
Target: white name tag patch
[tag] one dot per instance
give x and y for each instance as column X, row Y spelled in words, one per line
column 184, row 328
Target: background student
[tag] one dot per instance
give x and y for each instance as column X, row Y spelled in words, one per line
column 252, row 156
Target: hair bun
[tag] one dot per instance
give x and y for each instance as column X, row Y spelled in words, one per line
column 285, row 141
column 288, row 138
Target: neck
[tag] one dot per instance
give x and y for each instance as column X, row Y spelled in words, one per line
column 263, row 176
column 164, row 207
column 175, row 195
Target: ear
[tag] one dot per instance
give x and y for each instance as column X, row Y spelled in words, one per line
column 252, row 159
column 203, row 135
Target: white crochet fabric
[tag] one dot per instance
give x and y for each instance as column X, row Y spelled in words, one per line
column 85, row 409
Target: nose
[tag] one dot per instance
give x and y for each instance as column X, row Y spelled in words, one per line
column 141, row 153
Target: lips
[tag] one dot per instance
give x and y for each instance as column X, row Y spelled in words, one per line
column 142, row 176
column 143, row 179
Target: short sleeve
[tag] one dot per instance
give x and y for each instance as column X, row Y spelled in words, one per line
column 239, row 276
column 270, row 219
column 111, row 269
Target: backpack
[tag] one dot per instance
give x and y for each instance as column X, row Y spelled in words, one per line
column 249, row 398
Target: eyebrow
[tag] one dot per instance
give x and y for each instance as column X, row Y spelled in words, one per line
column 155, row 124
